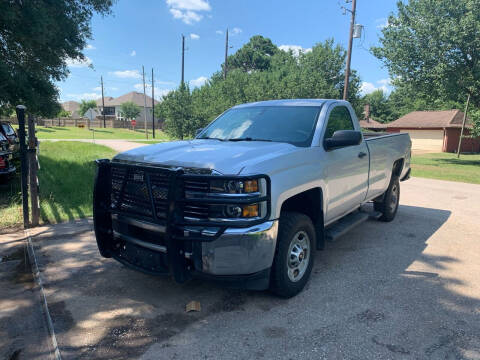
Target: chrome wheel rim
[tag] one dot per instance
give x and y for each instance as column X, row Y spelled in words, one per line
column 394, row 197
column 298, row 256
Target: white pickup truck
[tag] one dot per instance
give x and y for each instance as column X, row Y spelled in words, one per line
column 251, row 197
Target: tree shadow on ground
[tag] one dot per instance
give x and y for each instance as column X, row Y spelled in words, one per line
column 456, row 162
column 66, row 189
column 375, row 290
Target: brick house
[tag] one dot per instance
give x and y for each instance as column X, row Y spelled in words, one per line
column 435, row 131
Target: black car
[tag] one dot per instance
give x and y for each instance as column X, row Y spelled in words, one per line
column 9, row 133
column 6, row 165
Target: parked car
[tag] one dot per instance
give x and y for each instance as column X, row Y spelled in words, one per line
column 251, row 197
column 9, row 132
column 6, row 166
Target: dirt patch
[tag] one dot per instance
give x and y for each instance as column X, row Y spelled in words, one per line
column 23, row 271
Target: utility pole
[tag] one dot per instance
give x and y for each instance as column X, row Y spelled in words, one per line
column 183, row 58
column 153, row 107
column 103, row 103
column 144, row 103
column 349, row 52
column 226, row 56
column 463, row 126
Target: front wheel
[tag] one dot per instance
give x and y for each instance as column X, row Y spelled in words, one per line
column 294, row 255
column 389, row 205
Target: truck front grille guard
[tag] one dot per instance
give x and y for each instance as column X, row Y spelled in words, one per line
column 155, row 196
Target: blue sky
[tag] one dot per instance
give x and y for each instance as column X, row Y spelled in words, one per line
column 148, row 32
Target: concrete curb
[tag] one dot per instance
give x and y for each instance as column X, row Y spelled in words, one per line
column 38, row 279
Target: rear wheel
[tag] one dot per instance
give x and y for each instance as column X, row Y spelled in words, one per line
column 294, row 255
column 389, row 204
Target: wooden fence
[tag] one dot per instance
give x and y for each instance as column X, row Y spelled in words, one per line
column 96, row 123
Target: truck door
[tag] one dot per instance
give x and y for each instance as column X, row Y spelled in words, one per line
column 346, row 167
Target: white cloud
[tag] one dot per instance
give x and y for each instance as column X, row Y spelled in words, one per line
column 90, row 47
column 219, row 32
column 77, row 63
column 296, row 49
column 381, row 23
column 98, row 88
column 198, row 82
column 382, row 84
column 133, row 53
column 236, row 31
column 131, row 74
column 188, row 10
column 84, row 96
column 113, row 88
column 148, row 89
column 160, row 82
column 194, row 36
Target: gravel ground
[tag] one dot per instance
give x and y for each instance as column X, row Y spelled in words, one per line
column 408, row 289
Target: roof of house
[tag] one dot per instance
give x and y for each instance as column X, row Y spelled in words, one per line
column 371, row 124
column 106, row 99
column 430, row 119
column 70, row 106
column 134, row 96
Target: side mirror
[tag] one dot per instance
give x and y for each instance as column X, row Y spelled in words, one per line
column 198, row 131
column 342, row 138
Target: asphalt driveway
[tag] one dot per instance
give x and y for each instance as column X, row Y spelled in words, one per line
column 409, row 289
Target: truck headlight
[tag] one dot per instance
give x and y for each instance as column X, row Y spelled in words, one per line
column 236, row 186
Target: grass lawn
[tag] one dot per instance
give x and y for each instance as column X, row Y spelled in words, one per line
column 66, row 183
column 446, row 166
column 70, row 132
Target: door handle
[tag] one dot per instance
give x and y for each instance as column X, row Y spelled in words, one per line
column 361, row 154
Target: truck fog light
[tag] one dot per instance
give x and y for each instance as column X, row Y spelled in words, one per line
column 233, row 211
column 250, row 211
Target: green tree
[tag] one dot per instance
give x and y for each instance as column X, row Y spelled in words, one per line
column 64, row 113
column 379, row 106
column 254, row 55
column 475, row 118
column 36, row 40
column 130, row 110
column 85, row 105
column 434, row 47
column 177, row 110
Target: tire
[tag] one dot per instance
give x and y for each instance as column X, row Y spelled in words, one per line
column 295, row 245
column 389, row 205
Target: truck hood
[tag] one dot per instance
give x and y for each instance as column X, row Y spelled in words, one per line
column 225, row 157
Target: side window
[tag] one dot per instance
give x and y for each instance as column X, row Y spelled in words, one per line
column 339, row 119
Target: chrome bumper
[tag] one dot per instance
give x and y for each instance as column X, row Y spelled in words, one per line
column 241, row 251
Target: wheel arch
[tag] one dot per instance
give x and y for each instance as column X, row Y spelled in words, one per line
column 309, row 203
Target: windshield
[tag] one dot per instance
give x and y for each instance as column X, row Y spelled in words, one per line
column 290, row 124
column 8, row 129
column 2, row 138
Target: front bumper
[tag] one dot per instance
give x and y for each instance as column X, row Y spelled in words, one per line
column 169, row 246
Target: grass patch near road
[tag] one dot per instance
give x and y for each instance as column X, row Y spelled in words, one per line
column 66, row 183
column 71, row 132
column 446, row 166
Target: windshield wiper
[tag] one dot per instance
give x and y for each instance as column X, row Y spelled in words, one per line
column 210, row 138
column 249, row 139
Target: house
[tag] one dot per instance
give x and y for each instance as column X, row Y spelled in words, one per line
column 72, row 107
column 113, row 105
column 368, row 123
column 435, row 131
